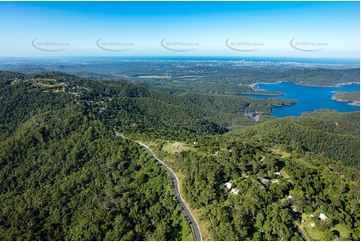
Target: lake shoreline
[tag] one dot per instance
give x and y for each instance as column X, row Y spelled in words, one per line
column 300, row 84
column 351, row 103
column 309, row 98
column 337, row 85
column 259, row 91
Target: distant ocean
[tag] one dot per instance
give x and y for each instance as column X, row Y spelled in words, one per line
column 325, row 61
column 245, row 59
column 259, row 59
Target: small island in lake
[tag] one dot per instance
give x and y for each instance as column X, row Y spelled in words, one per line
column 352, row 98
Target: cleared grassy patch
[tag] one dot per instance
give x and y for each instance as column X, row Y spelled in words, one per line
column 311, row 233
column 284, row 174
column 280, row 152
column 176, row 147
column 311, row 229
column 306, row 164
column 48, row 85
column 314, row 234
column 343, row 230
column 16, row 81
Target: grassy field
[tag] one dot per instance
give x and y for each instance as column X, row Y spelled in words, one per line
column 284, row 174
column 176, row 147
column 311, row 233
column 343, row 230
column 48, row 85
column 282, row 153
column 312, row 230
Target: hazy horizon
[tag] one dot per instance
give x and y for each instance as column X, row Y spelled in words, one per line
column 265, row 59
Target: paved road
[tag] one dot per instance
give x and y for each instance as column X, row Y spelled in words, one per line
column 189, row 215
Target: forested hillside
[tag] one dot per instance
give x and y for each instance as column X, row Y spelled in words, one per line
column 222, row 110
column 336, row 135
column 66, row 175
column 278, row 190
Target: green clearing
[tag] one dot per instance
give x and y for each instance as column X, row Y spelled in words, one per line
column 284, row 174
column 176, row 147
column 317, row 233
column 343, row 230
column 311, row 233
column 283, row 154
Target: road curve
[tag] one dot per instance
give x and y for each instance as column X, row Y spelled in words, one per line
column 189, row 215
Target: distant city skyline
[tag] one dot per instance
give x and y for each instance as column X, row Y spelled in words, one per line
column 260, row 29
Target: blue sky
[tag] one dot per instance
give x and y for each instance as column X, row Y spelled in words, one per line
column 318, row 29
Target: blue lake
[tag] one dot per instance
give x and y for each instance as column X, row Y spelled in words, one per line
column 309, row 98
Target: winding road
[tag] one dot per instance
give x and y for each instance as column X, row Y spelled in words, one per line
column 189, row 215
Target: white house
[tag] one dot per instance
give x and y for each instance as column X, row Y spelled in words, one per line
column 323, row 216
column 264, row 180
column 235, row 191
column 228, row 185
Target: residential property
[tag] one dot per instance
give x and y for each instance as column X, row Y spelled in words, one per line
column 323, row 216
column 228, row 185
column 235, row 191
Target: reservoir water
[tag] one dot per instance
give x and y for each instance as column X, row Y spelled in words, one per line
column 309, row 98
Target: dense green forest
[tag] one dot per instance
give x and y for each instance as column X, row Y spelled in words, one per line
column 335, row 135
column 276, row 190
column 285, row 173
column 213, row 88
column 197, row 113
column 66, row 175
